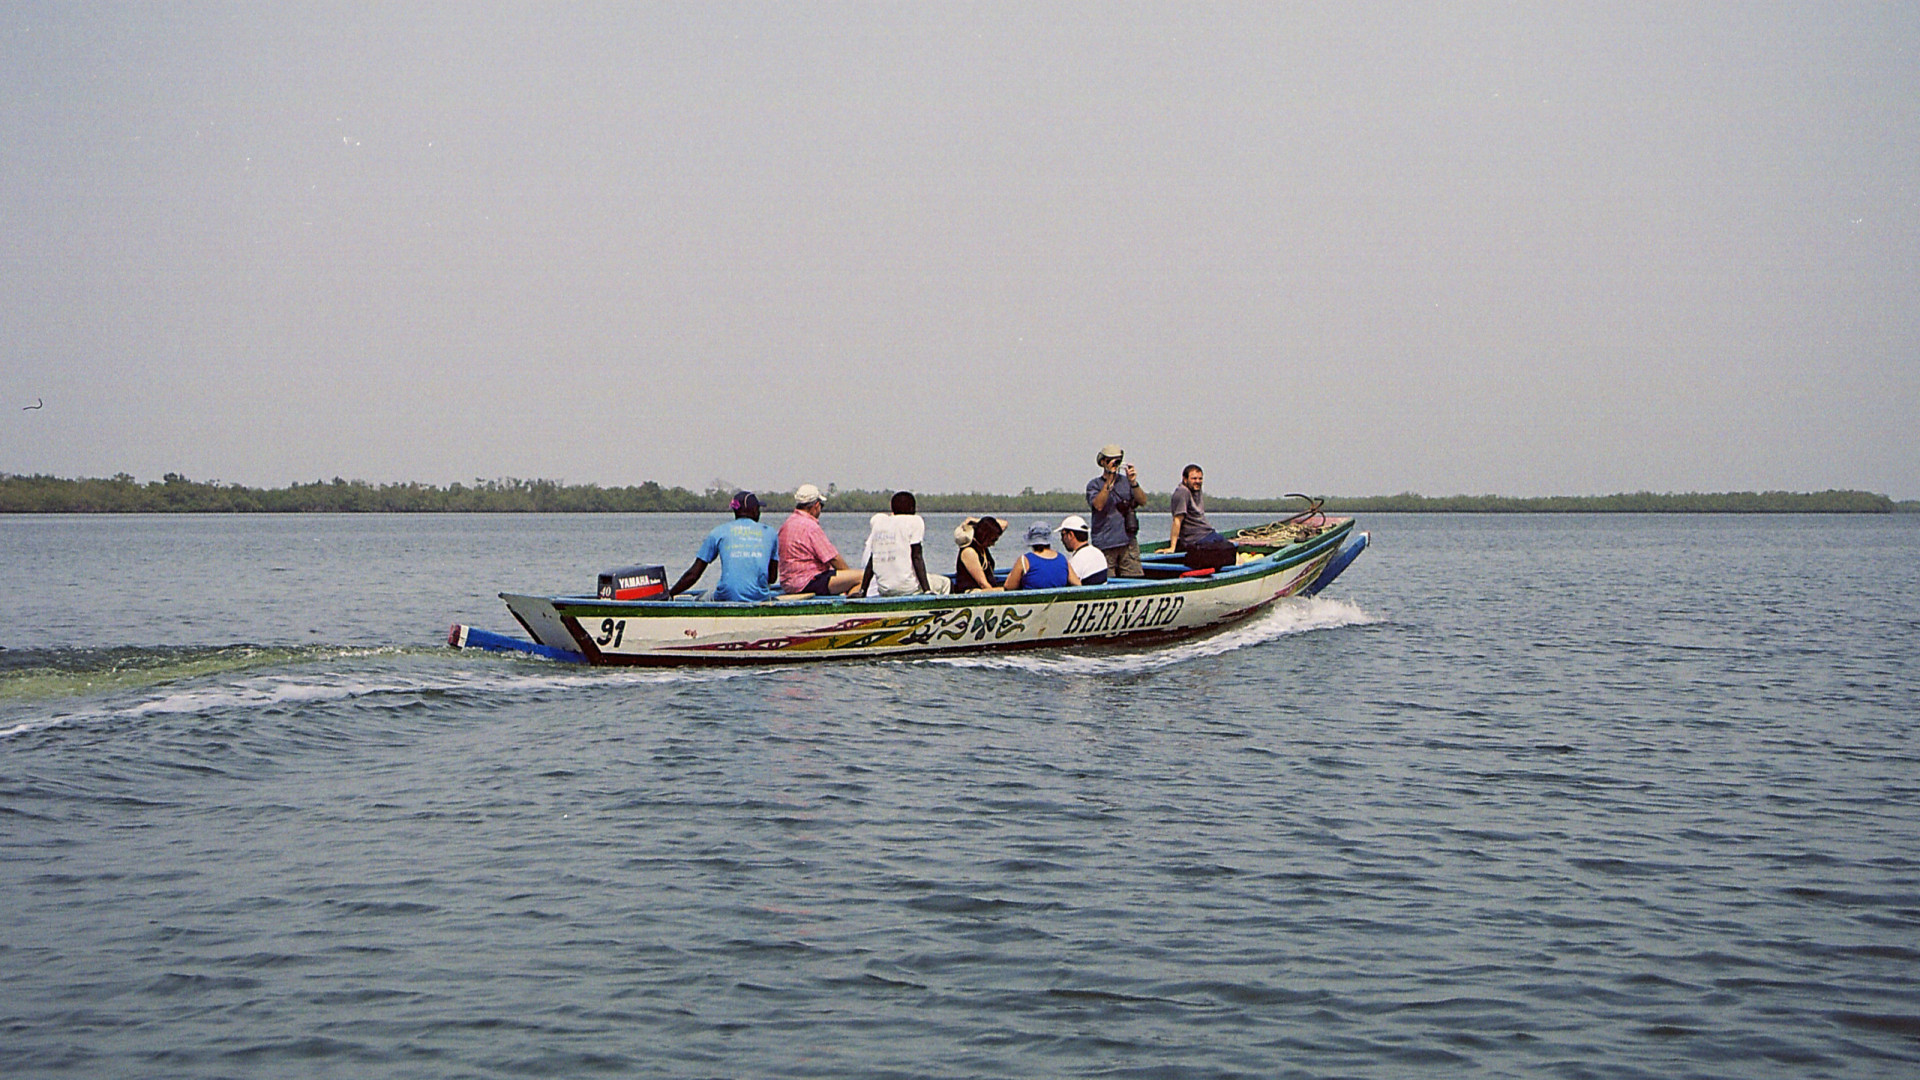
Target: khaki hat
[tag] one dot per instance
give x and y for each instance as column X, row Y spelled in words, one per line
column 1111, row 450
column 807, row 495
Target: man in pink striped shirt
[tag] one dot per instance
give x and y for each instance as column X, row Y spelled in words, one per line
column 809, row 563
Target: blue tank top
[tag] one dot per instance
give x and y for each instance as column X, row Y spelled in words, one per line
column 1044, row 573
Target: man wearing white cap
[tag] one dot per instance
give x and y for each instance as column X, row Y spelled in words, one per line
column 809, row 563
column 1113, row 497
column 1087, row 561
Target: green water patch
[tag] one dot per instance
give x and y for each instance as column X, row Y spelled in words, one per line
column 28, row 675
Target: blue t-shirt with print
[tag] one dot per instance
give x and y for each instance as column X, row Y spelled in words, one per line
column 743, row 547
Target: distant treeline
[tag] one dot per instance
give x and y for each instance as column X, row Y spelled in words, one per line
column 1639, row 502
column 123, row 494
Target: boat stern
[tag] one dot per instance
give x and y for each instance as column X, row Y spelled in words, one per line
column 541, row 621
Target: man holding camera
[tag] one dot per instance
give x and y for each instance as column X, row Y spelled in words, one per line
column 1114, row 496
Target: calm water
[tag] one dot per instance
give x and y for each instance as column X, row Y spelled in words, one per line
column 1523, row 796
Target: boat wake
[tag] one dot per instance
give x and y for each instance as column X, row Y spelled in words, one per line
column 77, row 687
column 1286, row 618
column 29, row 675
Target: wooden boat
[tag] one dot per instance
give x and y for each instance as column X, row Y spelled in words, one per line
column 1285, row 559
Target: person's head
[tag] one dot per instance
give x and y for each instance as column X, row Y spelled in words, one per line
column 1109, row 455
column 1073, row 533
column 1191, row 476
column 1039, row 535
column 746, row 505
column 808, row 498
column 903, row 503
column 987, row 530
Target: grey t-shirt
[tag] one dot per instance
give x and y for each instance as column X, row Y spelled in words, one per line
column 1191, row 508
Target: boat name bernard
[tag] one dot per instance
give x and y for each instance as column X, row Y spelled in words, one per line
column 1107, row 616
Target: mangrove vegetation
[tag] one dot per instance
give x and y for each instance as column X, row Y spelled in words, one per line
column 123, row 494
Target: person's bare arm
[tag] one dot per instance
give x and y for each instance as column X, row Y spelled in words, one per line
column 687, row 579
column 920, row 568
column 1109, row 475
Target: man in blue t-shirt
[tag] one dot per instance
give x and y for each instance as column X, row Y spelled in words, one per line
column 746, row 550
column 1114, row 496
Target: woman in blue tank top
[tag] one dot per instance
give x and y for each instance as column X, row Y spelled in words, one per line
column 1041, row 567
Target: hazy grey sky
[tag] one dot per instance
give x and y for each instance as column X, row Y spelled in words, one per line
column 1490, row 248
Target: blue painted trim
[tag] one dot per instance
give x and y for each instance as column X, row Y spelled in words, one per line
column 1355, row 545
column 469, row 637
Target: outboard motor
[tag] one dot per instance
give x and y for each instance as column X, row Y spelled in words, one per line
column 634, row 583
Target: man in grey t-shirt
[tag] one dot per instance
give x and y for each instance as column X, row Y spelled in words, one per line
column 1191, row 532
column 1189, row 510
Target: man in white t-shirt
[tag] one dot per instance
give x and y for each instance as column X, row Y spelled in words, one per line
column 1087, row 561
column 894, row 563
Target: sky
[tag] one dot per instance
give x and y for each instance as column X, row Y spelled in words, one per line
column 1484, row 248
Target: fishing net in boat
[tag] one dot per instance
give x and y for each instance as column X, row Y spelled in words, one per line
column 1304, row 525
column 1276, row 534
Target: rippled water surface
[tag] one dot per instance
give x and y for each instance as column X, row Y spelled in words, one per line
column 1526, row 796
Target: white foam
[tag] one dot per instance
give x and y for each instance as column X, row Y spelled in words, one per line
column 32, row 725
column 1287, row 617
column 299, row 688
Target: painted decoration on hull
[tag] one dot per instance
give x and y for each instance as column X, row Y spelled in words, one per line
column 886, row 631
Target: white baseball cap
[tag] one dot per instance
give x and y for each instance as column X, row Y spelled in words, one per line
column 807, row 495
column 1074, row 523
